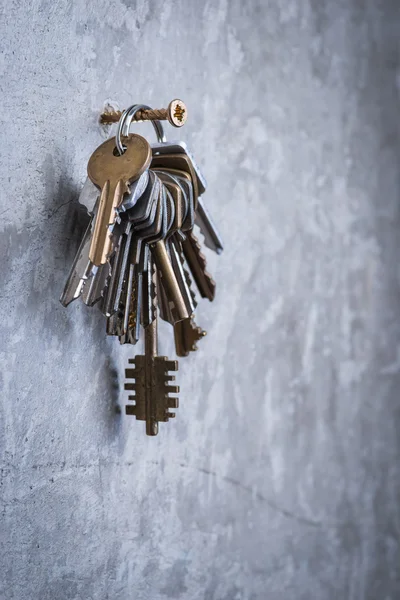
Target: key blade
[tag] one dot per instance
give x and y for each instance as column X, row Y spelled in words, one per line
column 111, row 197
column 149, row 308
column 198, row 266
column 186, row 334
column 212, row 238
column 88, row 196
column 169, row 280
column 80, row 270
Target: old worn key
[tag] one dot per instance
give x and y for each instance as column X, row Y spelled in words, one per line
column 151, row 389
column 113, row 173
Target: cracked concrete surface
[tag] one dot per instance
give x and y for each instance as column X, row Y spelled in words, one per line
column 279, row 478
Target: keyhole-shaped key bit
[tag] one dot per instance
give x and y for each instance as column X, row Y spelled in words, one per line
column 112, row 174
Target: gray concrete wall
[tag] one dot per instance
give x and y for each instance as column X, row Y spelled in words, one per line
column 279, row 479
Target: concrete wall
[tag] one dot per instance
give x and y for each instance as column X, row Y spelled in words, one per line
column 279, row 479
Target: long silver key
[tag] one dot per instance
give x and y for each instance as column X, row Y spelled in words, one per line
column 149, row 227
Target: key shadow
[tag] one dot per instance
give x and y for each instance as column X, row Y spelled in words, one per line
column 109, row 410
column 58, row 235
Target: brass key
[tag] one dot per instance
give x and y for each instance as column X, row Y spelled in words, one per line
column 151, row 389
column 169, row 281
column 113, row 174
column 186, row 334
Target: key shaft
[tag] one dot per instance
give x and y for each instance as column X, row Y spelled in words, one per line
column 110, row 198
column 169, row 280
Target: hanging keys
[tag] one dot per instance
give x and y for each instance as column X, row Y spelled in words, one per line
column 140, row 254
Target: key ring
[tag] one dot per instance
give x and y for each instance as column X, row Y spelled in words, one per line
column 125, row 124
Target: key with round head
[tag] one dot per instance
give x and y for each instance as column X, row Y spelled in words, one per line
column 112, row 174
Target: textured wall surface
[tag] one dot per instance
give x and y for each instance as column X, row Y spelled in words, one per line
column 280, row 477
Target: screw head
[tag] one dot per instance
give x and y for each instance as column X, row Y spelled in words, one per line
column 177, row 113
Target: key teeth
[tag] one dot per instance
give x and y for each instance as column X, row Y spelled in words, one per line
column 193, row 242
column 172, row 389
column 132, row 373
column 171, row 365
column 172, row 402
column 161, row 387
column 187, row 277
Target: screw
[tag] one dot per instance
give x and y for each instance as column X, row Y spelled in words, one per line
column 176, row 114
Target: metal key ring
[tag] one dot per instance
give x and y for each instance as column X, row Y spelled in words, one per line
column 125, row 124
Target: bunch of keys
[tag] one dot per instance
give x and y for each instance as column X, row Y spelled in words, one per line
column 140, row 256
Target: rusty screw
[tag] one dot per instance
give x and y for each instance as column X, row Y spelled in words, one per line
column 176, row 114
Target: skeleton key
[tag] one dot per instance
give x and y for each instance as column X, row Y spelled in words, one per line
column 112, row 174
column 186, row 334
column 151, row 389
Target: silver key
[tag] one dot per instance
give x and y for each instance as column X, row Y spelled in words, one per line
column 94, row 288
column 182, row 277
column 88, row 196
column 147, row 223
column 120, row 261
column 203, row 220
